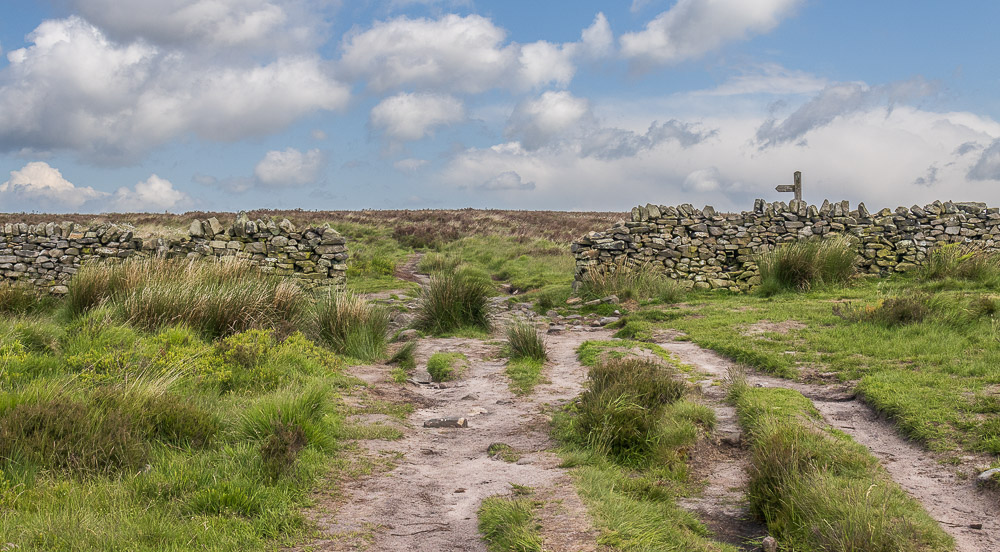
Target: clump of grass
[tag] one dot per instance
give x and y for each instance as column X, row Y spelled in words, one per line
column 446, row 366
column 805, row 264
column 964, row 262
column 639, row 282
column 404, row 362
column 508, row 524
column 218, row 298
column 351, row 326
column 281, row 449
column 620, row 413
column 889, row 312
column 524, row 341
column 817, row 489
column 452, row 302
column 504, row 452
column 17, row 298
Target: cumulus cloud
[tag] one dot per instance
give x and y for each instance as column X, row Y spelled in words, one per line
column 39, row 186
column 463, row 54
column 702, row 180
column 838, row 100
column 251, row 25
column 538, row 122
column 407, row 117
column 290, row 167
column 694, row 27
column 507, row 180
column 153, row 194
column 987, row 167
column 616, row 143
column 74, row 88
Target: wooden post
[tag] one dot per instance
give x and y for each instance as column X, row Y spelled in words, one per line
column 795, row 188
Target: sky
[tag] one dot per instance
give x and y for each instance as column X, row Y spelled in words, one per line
column 223, row 105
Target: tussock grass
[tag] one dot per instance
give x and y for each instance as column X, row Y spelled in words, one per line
column 524, row 342
column 446, row 366
column 961, row 262
column 404, row 362
column 806, row 264
column 817, row 489
column 628, row 281
column 18, row 298
column 452, row 302
column 217, row 298
column 508, row 524
column 351, row 326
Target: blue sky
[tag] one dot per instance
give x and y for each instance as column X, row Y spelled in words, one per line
column 175, row 105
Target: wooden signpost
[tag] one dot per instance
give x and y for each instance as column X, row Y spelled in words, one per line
column 795, row 188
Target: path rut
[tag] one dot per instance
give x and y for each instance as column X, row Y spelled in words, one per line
column 429, row 501
column 957, row 504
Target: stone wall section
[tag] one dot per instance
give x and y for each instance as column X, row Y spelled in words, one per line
column 48, row 255
column 708, row 250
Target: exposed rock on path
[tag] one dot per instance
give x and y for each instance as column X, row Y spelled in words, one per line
column 957, row 504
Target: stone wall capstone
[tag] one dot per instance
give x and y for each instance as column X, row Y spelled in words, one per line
column 48, row 255
column 708, row 250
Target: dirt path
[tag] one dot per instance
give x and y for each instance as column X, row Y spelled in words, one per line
column 408, row 270
column 429, row 501
column 954, row 502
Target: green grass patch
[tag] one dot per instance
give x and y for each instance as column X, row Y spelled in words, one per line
column 453, row 302
column 805, row 264
column 351, row 326
column 403, row 362
column 627, row 281
column 819, row 490
column 504, row 452
column 524, row 374
column 508, row 524
column 447, row 366
column 592, row 352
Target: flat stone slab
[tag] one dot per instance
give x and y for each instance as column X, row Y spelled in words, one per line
column 456, row 422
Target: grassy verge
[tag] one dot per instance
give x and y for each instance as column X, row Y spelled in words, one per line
column 819, row 490
column 508, row 523
column 626, row 439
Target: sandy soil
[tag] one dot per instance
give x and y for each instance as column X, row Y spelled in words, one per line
column 429, row 501
column 956, row 503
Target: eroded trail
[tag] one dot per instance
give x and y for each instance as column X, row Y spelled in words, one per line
column 429, row 501
column 957, row 504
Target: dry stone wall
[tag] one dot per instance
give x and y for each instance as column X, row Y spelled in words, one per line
column 709, row 250
column 48, row 255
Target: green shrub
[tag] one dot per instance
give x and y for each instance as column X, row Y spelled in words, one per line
column 964, row 262
column 804, row 264
column 889, row 312
column 351, row 326
column 451, row 302
column 446, row 366
column 628, row 281
column 524, row 341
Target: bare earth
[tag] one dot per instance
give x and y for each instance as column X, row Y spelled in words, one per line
column 429, row 501
column 955, row 503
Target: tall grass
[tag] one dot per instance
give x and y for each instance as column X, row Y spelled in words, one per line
column 508, row 524
column 524, row 341
column 452, row 302
column 18, row 298
column 217, row 298
column 351, row 326
column 640, row 282
column 963, row 262
column 805, row 264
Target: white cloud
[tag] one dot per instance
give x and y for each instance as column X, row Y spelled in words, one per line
column 155, row 194
column 249, row 25
column 463, row 54
column 290, row 167
column 539, row 122
column 702, row 180
column 506, row 181
column 768, row 78
column 409, row 165
column 76, row 89
column 694, row 27
column 987, row 167
column 37, row 186
column 407, row 117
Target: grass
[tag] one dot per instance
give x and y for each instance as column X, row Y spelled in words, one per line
column 403, row 362
column 817, row 489
column 526, row 352
column 17, row 298
column 351, row 326
column 504, row 452
column 508, row 524
column 524, row 374
column 447, row 366
column 641, row 282
column 962, row 262
column 453, row 302
column 631, row 472
column 805, row 264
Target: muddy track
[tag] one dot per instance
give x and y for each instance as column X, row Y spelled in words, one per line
column 429, row 501
column 955, row 502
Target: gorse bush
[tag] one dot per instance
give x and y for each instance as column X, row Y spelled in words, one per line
column 524, row 341
column 963, row 262
column 642, row 282
column 452, row 302
column 805, row 264
column 216, row 298
column 351, row 326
